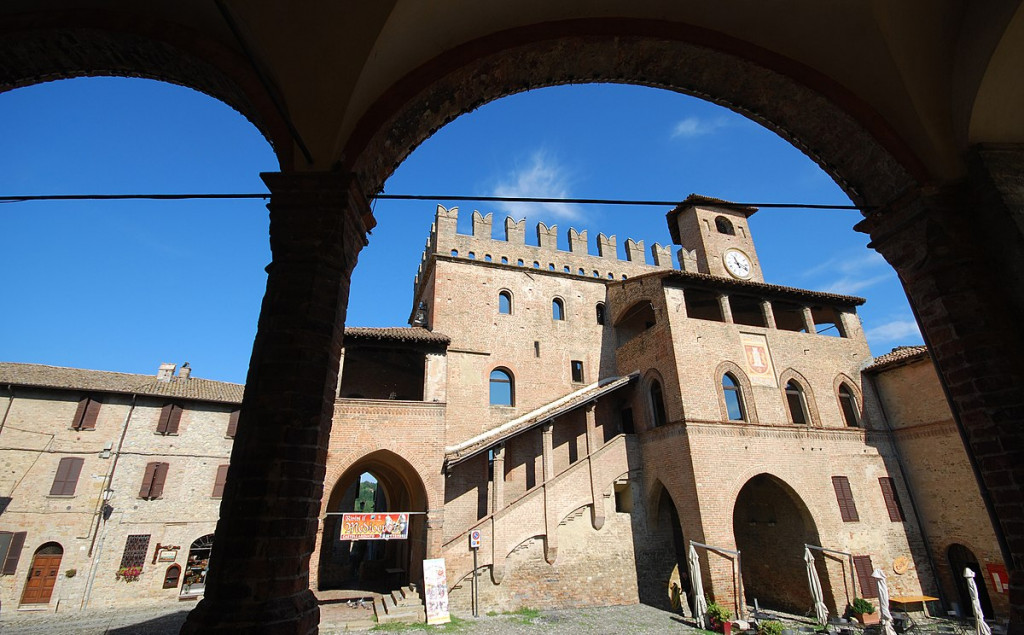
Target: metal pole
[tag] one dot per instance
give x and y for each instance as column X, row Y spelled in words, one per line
column 737, row 576
column 849, row 556
column 476, row 588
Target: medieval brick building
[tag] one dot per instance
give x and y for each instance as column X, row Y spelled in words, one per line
column 590, row 417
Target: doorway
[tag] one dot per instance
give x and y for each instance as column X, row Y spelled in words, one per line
column 196, row 566
column 43, row 575
column 960, row 558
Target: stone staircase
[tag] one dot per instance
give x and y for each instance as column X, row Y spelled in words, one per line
column 403, row 605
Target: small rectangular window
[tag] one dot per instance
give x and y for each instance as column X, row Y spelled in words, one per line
column 892, row 499
column 153, row 480
column 844, row 496
column 135, row 549
column 170, row 416
column 536, row 348
column 218, row 483
column 232, row 424
column 577, row 371
column 11, row 544
column 66, row 479
column 868, row 585
column 86, row 414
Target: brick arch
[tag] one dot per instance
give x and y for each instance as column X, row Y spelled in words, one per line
column 651, row 375
column 812, row 405
column 746, row 390
column 830, row 124
column 380, row 461
column 43, row 47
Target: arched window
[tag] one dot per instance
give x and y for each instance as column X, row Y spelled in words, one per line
column 600, row 313
column 504, row 260
column 796, row 402
column 724, row 226
column 557, row 309
column 487, row 258
column 657, row 404
column 505, row 303
column 848, row 406
column 171, row 576
column 733, row 398
column 502, row 388
column 455, row 252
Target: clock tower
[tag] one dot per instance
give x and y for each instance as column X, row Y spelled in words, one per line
column 715, row 238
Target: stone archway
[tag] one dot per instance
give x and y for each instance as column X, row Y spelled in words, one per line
column 379, row 482
column 661, row 555
column 771, row 525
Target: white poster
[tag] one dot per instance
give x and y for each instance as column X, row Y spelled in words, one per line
column 435, row 583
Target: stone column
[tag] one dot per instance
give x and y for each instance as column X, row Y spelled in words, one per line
column 725, row 307
column 550, row 521
column 960, row 254
column 498, row 487
column 769, row 314
column 808, row 320
column 259, row 569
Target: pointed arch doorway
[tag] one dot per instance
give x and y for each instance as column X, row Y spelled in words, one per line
column 379, row 482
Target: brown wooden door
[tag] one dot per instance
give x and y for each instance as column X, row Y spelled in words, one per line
column 41, row 579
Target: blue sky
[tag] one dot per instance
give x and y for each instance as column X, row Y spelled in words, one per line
column 127, row 285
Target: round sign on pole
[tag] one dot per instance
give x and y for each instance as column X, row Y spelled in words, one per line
column 474, row 539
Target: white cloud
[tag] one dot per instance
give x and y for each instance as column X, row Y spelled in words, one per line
column 696, row 127
column 898, row 330
column 541, row 177
column 851, row 273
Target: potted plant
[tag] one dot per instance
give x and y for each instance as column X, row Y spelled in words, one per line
column 718, row 617
column 864, row 611
column 128, row 574
column 769, row 627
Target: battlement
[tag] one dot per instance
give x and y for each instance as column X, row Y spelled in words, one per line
column 545, row 256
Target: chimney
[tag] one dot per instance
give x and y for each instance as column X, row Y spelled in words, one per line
column 165, row 372
column 185, row 371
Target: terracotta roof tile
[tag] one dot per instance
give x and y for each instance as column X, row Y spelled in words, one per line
column 192, row 388
column 397, row 334
column 900, row 354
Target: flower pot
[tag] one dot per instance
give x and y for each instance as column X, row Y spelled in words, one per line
column 867, row 618
column 727, row 628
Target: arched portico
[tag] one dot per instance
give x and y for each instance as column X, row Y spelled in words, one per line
column 952, row 239
column 380, row 566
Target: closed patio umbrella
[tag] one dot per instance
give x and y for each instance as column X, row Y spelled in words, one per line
column 700, row 605
column 885, row 617
column 820, row 610
column 979, row 616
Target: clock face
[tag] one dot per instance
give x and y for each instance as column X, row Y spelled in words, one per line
column 737, row 263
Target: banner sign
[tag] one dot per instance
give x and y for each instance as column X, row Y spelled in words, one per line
column 758, row 358
column 435, row 582
column 384, row 526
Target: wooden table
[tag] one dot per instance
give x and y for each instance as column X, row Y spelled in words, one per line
column 904, row 600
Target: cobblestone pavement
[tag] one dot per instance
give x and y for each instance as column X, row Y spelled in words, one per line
column 638, row 619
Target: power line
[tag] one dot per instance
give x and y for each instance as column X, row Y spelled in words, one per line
column 410, row 197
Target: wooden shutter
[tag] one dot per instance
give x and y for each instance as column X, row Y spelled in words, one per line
column 159, row 477
column 170, row 416
column 868, row 585
column 92, row 412
column 147, row 480
column 844, row 496
column 83, row 405
column 10, row 565
column 66, row 479
column 218, row 483
column 892, row 500
column 232, row 424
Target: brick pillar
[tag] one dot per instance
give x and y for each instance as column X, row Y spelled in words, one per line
column 550, row 521
column 769, row 314
column 593, row 443
column 808, row 319
column 498, row 493
column 958, row 253
column 726, row 308
column 259, row 569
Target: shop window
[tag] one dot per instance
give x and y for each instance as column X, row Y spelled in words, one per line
column 734, row 406
column 170, row 417
column 796, row 403
column 505, row 303
column 86, row 414
column 848, row 406
column 657, row 404
column 557, row 309
column 844, row 496
column 724, row 226
column 171, row 576
column 502, row 388
column 219, row 480
column 577, row 371
column 66, row 478
column 197, row 565
column 153, row 480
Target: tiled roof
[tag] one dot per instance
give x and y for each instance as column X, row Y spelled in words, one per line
column 458, row 453
column 898, row 355
column 707, row 201
column 192, row 388
column 760, row 288
column 397, row 334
